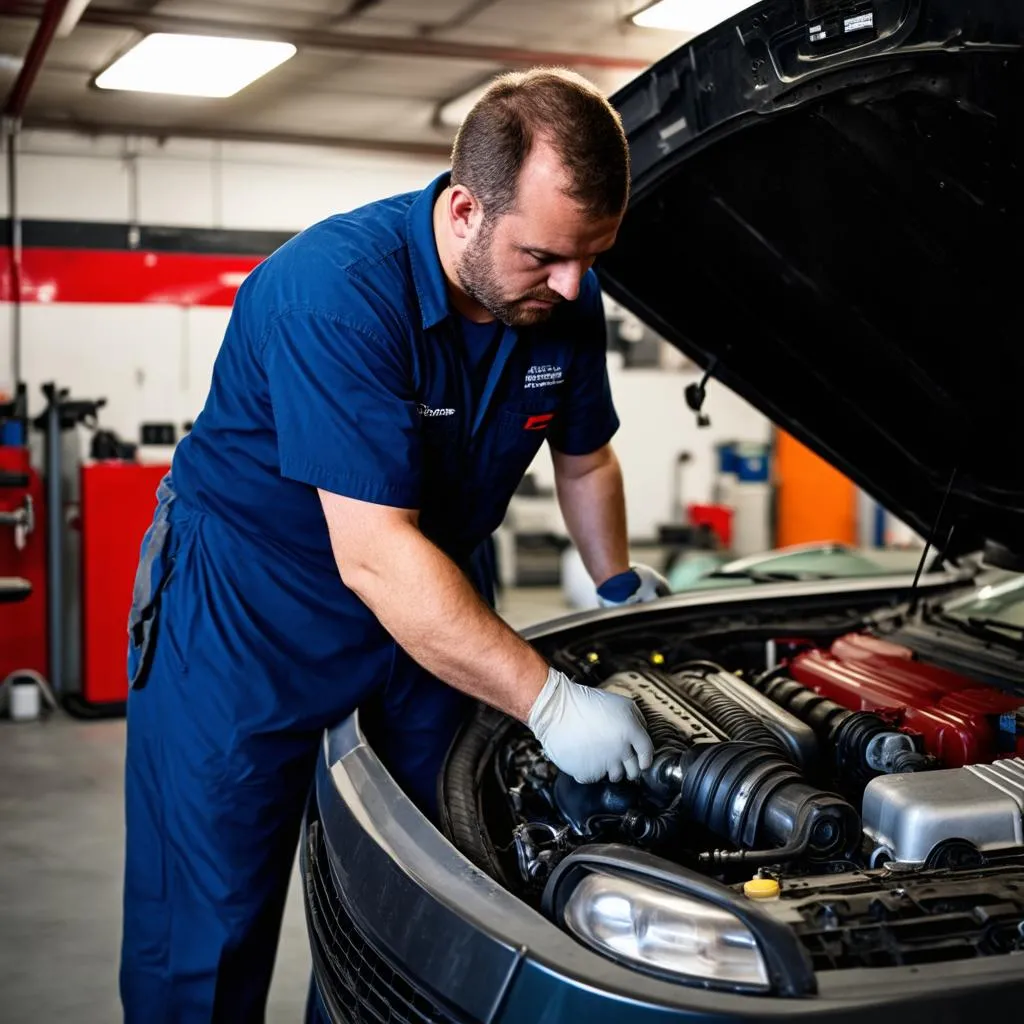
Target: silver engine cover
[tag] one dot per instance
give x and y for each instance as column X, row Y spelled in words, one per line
column 907, row 816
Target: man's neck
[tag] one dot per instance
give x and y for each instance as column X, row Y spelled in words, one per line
column 463, row 303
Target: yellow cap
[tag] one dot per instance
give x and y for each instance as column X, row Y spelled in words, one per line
column 593, row 657
column 761, row 889
column 657, row 658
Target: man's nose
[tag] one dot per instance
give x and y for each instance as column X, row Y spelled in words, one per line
column 565, row 279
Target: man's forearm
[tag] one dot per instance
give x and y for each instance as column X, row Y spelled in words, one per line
column 593, row 505
column 422, row 599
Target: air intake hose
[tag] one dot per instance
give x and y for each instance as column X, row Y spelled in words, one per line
column 750, row 795
column 865, row 744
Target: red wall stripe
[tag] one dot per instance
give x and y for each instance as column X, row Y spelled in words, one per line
column 105, row 276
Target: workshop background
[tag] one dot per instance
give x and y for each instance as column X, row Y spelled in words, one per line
column 129, row 219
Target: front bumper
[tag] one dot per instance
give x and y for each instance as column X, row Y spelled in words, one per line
column 404, row 928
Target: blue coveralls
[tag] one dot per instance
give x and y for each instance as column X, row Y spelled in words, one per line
column 343, row 367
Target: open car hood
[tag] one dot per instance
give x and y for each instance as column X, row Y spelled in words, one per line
column 827, row 214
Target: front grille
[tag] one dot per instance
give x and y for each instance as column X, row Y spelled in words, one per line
column 356, row 980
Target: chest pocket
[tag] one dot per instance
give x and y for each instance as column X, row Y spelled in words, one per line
column 520, row 432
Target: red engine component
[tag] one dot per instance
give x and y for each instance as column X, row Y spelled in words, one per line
column 958, row 717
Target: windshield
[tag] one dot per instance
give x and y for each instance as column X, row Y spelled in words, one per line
column 998, row 605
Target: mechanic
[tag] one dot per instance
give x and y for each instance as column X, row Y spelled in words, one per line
column 384, row 382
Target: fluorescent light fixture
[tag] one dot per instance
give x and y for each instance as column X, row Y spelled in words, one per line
column 693, row 16
column 194, row 65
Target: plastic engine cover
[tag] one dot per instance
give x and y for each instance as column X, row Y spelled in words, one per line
column 961, row 720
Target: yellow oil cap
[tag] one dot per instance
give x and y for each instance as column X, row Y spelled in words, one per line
column 761, row 889
column 657, row 658
column 593, row 657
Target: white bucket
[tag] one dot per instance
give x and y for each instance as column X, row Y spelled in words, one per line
column 25, row 703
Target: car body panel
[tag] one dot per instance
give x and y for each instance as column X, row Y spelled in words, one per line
column 822, row 230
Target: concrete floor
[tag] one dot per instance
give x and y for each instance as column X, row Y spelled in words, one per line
column 61, row 858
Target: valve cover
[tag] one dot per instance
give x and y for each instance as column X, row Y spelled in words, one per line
column 960, row 719
column 908, row 817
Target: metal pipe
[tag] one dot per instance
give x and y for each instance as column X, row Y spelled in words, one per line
column 71, row 17
column 431, row 150
column 14, row 246
column 39, row 47
column 407, row 46
column 54, row 540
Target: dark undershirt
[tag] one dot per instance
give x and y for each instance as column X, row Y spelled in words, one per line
column 480, row 345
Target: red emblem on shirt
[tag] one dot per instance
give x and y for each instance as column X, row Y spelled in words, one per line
column 538, row 422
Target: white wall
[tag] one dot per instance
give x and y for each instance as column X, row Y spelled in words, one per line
column 656, row 425
column 153, row 362
column 190, row 183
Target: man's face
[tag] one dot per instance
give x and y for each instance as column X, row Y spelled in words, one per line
column 520, row 265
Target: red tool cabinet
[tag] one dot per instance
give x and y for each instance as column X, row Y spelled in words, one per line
column 117, row 504
column 23, row 625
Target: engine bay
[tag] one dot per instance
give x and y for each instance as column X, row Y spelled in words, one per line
column 874, row 800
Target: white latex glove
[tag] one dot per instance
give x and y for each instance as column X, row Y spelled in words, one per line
column 636, row 585
column 589, row 733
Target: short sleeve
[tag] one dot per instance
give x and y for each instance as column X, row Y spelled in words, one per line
column 343, row 407
column 587, row 420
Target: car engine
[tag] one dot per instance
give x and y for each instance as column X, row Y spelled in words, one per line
column 828, row 770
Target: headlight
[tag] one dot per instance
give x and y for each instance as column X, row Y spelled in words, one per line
column 664, row 931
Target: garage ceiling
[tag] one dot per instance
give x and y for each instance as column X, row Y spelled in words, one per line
column 372, row 73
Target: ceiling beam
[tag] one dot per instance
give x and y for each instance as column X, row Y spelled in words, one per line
column 432, row 150
column 405, row 46
column 38, row 48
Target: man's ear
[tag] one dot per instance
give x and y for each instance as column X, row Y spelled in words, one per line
column 464, row 212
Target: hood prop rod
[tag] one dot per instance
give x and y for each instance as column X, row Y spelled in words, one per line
column 931, row 541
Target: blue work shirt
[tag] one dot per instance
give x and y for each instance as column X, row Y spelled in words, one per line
column 343, row 367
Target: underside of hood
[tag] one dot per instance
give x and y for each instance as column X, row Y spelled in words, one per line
column 827, row 214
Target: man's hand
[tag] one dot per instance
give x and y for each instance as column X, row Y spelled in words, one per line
column 589, row 733
column 636, row 585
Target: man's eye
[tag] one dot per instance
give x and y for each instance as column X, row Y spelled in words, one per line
column 539, row 257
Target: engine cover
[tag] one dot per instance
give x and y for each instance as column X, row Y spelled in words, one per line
column 909, row 817
column 959, row 718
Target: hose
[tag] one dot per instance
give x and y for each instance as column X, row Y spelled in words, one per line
column 864, row 744
column 755, row 798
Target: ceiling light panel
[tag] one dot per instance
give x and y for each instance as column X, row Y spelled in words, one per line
column 185, row 65
column 692, row 16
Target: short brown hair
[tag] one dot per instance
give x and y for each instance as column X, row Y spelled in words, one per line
column 559, row 107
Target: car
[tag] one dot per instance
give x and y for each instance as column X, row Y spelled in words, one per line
column 824, row 194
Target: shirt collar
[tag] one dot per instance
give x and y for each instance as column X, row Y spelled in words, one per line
column 427, row 273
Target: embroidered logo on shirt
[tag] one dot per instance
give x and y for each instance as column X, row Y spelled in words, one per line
column 538, row 422
column 430, row 411
column 543, row 376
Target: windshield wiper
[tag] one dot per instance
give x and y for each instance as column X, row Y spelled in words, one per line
column 768, row 576
column 981, row 622
column 978, row 625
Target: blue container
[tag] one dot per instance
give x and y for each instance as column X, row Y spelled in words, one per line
column 750, row 463
column 12, row 434
column 726, row 452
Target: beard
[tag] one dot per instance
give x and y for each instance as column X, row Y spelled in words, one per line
column 479, row 279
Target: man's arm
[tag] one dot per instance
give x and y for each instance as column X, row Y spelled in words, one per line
column 423, row 600
column 419, row 595
column 593, row 504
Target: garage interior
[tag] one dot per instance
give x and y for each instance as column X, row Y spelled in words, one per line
column 129, row 221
